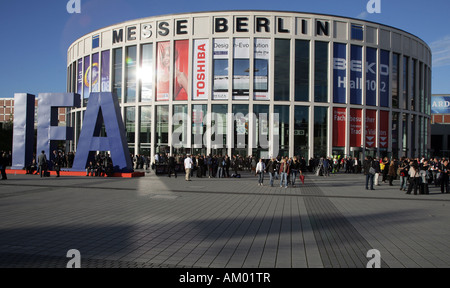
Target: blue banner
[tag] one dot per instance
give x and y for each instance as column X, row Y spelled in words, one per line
column 440, row 105
column 339, row 75
column 371, row 77
column 384, row 78
column 356, row 79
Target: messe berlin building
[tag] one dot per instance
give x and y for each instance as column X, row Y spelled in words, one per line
column 259, row 83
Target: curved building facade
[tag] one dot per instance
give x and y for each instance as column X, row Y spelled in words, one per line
column 261, row 83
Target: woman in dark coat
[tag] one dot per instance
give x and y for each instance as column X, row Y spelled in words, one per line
column 392, row 173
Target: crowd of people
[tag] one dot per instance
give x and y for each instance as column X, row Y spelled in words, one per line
column 415, row 174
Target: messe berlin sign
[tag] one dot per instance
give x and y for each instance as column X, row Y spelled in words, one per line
column 48, row 130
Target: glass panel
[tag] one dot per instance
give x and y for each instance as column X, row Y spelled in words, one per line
column 357, row 32
column 283, row 129
column 179, row 127
column 301, row 131
column 413, row 85
column 320, row 131
column 405, row 147
column 395, row 133
column 162, row 128
column 146, row 73
column 130, row 95
column 261, row 131
column 321, row 72
column 282, row 69
column 395, row 80
column 301, row 70
column 145, row 122
column 130, row 122
column 405, row 83
column 199, row 125
column 117, row 78
column 240, row 114
column 219, row 126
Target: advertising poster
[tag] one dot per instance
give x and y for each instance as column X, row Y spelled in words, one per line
column 181, row 70
column 384, row 129
column 371, row 128
column 355, row 127
column 356, row 79
column 241, row 69
column 201, row 70
column 221, row 69
column 86, row 77
column 105, row 71
column 95, row 73
column 163, row 71
column 80, row 76
column 339, row 122
column 384, row 78
column 339, row 73
column 261, row 69
column 371, row 77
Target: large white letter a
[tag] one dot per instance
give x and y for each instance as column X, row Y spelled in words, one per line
column 74, row 6
column 374, row 6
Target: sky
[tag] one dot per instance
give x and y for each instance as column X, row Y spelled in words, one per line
column 35, row 35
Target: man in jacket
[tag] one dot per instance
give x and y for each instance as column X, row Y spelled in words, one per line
column 284, row 171
column 42, row 163
column 368, row 163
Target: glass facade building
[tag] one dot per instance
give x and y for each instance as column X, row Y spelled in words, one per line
column 259, row 83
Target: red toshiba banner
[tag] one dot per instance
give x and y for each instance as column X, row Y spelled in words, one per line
column 339, row 122
column 384, row 129
column 355, row 127
column 371, row 128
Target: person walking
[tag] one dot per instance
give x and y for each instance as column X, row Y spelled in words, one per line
column 3, row 164
column 271, row 167
column 369, row 171
column 444, row 170
column 42, row 163
column 391, row 173
column 171, row 166
column 414, row 178
column 424, row 170
column 284, row 171
column 188, row 164
column 260, row 168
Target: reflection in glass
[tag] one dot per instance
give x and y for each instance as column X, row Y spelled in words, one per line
column 320, row 131
column 321, row 72
column 282, row 69
column 301, row 70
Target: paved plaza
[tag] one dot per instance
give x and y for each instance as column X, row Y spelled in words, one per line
column 156, row 221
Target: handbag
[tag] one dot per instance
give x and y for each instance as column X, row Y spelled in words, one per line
column 372, row 171
column 302, row 178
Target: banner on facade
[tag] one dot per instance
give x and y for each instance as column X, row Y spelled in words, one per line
column 339, row 123
column 201, row 70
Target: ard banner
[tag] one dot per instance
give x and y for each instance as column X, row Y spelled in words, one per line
column 339, row 123
column 105, row 71
column 86, row 77
column 80, row 76
column 201, row 69
column 95, row 73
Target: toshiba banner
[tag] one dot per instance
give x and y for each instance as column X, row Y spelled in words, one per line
column 200, row 85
